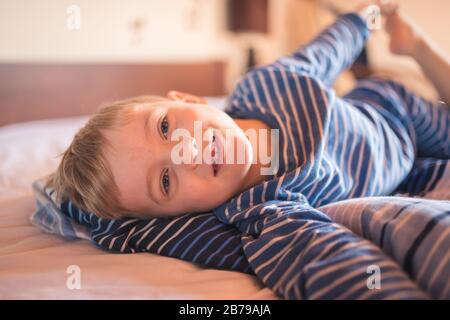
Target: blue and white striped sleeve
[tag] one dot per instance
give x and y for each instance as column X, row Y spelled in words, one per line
column 331, row 52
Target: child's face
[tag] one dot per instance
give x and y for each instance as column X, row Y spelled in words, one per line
column 141, row 160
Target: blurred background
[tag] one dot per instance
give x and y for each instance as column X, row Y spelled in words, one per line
column 78, row 37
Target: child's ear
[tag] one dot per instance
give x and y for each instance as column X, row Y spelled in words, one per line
column 185, row 97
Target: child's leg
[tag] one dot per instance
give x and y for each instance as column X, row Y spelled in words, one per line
column 428, row 123
column 431, row 123
column 429, row 178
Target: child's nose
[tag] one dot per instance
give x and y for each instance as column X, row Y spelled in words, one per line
column 193, row 153
column 186, row 156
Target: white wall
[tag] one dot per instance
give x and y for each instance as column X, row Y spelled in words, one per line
column 177, row 30
column 171, row 31
column 37, row 31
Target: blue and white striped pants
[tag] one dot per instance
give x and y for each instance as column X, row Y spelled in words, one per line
column 427, row 122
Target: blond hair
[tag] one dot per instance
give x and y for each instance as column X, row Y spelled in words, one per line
column 83, row 175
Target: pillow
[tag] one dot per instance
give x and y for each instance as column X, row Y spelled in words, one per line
column 49, row 217
column 30, row 150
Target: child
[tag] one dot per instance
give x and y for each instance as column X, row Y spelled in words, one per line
column 362, row 144
column 330, row 148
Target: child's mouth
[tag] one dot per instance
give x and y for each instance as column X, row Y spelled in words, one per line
column 216, row 154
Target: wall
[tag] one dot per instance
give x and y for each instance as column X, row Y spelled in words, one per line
column 125, row 31
column 180, row 30
column 36, row 30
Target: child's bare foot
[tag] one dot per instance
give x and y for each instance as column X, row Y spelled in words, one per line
column 405, row 35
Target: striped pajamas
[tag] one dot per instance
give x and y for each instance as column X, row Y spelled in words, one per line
column 318, row 228
column 331, row 149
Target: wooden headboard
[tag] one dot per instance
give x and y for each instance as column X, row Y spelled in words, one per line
column 41, row 91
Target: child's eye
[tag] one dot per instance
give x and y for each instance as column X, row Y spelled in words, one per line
column 164, row 127
column 165, row 181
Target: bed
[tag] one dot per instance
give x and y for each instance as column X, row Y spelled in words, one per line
column 41, row 109
column 38, row 265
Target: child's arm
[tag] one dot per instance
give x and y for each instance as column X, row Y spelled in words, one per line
column 408, row 39
column 332, row 51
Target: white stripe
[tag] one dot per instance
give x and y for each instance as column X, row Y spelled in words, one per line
column 178, row 232
column 275, row 114
column 287, row 117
